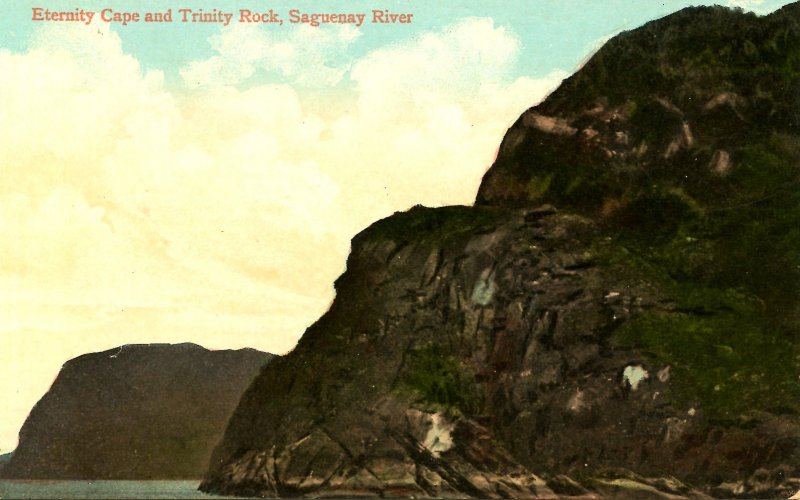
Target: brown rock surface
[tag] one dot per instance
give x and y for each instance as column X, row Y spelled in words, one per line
column 134, row 412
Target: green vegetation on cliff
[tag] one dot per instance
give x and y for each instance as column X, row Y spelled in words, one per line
column 437, row 379
column 695, row 52
column 671, row 251
column 681, row 138
column 420, row 224
column 734, row 274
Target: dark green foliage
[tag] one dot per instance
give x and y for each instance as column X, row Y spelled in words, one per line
column 554, row 172
column 745, row 233
column 725, row 246
column 730, row 361
column 733, row 349
column 659, row 212
column 436, row 378
column 665, row 76
column 764, row 170
column 439, row 224
column 729, row 258
column 708, row 49
column 734, row 274
column 654, row 124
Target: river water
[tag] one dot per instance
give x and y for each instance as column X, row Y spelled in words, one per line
column 122, row 490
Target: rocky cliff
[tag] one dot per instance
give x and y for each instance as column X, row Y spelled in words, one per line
column 617, row 315
column 135, row 412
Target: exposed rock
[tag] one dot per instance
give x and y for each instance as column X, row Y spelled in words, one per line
column 720, row 162
column 724, row 99
column 653, row 106
column 134, row 412
column 410, row 386
column 636, row 342
column 548, row 124
column 782, row 482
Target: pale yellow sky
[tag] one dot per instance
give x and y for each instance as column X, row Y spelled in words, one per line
column 136, row 212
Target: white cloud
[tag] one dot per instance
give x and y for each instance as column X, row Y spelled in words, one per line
column 752, row 5
column 307, row 56
column 219, row 215
column 465, row 54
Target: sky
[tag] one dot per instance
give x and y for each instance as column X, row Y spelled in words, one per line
column 195, row 182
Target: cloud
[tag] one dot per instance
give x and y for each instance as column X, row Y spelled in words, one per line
column 217, row 214
column 438, row 106
column 462, row 57
column 307, row 56
column 752, row 5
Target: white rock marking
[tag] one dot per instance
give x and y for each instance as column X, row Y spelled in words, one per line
column 634, row 375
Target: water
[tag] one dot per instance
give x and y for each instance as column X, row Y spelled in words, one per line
column 144, row 490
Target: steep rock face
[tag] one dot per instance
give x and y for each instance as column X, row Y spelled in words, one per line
column 687, row 102
column 465, row 349
column 638, row 340
column 682, row 140
column 379, row 397
column 134, row 412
